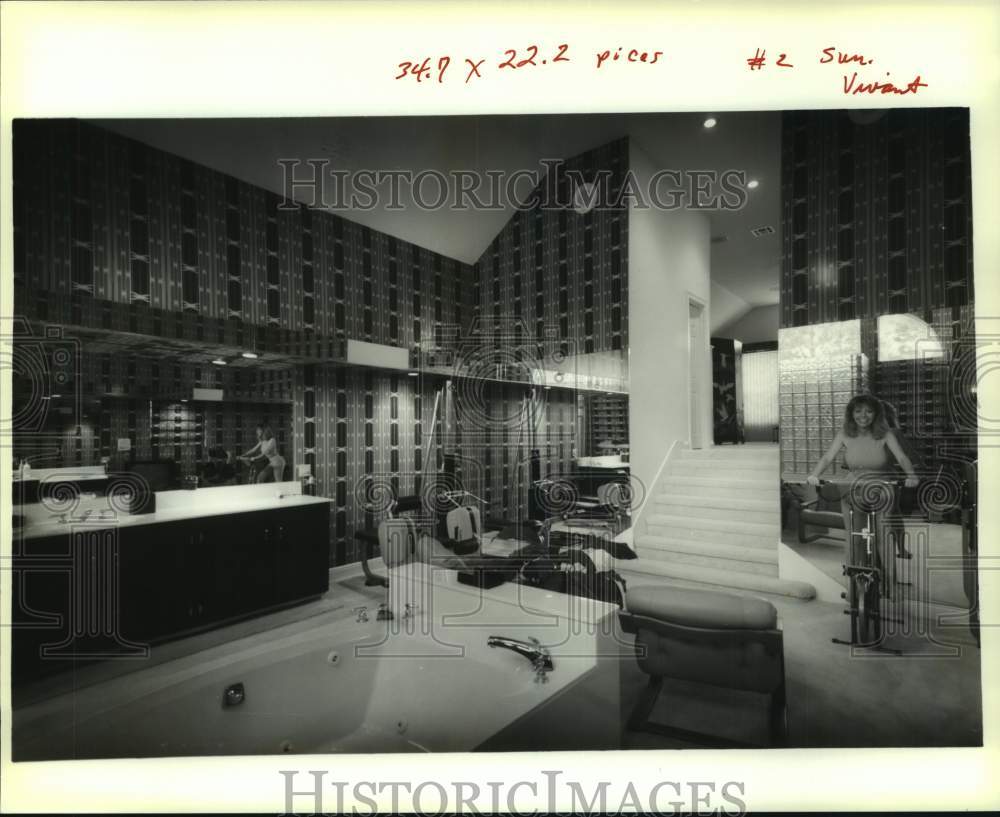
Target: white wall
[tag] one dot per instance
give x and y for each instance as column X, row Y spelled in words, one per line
column 668, row 259
column 758, row 325
column 727, row 307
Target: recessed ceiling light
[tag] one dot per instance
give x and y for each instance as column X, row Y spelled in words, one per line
column 711, row 122
column 413, row 374
column 220, row 362
column 250, row 355
column 753, row 184
column 56, row 396
column 183, row 399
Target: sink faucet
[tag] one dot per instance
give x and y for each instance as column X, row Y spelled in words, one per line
column 532, row 649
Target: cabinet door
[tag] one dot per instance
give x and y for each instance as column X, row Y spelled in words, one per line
column 179, row 575
column 301, row 558
column 40, row 596
column 150, row 579
column 244, row 579
column 211, row 593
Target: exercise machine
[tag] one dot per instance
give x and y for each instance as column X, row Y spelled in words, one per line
column 867, row 577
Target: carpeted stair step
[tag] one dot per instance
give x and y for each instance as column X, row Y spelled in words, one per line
column 724, row 489
column 709, row 468
column 737, row 509
column 752, row 452
column 709, row 554
column 722, row 478
column 748, row 534
column 764, row 453
column 641, row 570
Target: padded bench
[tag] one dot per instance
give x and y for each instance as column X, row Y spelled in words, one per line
column 708, row 637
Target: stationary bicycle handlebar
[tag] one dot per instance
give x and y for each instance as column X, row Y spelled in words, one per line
column 898, row 482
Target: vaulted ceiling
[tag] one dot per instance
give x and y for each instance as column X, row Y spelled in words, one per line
column 747, row 268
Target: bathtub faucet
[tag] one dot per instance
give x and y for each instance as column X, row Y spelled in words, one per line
column 532, row 649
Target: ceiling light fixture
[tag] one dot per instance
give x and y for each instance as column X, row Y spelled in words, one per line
column 413, row 374
column 711, row 122
column 753, row 184
column 250, row 355
column 220, row 362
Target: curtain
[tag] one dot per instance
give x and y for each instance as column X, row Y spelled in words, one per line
column 760, row 395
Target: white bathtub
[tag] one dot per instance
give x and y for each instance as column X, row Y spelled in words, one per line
column 425, row 683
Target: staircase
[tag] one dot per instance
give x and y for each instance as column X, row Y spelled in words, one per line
column 715, row 519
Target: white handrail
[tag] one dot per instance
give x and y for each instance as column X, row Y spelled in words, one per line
column 649, row 493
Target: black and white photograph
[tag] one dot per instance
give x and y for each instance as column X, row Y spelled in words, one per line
column 366, row 442
column 329, row 436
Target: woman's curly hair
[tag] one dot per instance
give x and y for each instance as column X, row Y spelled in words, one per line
column 879, row 426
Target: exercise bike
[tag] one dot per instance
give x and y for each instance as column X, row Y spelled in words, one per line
column 253, row 466
column 866, row 575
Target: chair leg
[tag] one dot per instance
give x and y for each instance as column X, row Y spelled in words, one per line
column 779, row 721
column 639, row 718
column 639, row 721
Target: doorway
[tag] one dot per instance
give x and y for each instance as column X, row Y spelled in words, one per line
column 698, row 373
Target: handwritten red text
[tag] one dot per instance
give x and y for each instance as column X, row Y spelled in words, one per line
column 853, row 83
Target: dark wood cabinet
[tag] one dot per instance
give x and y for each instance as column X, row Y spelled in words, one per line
column 163, row 580
column 243, row 560
column 302, row 538
column 40, row 600
column 145, row 576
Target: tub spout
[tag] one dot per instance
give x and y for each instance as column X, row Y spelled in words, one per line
column 531, row 649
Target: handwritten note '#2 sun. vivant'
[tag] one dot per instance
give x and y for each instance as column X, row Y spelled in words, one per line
column 854, row 83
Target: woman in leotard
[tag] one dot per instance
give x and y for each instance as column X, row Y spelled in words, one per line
column 267, row 447
column 867, row 441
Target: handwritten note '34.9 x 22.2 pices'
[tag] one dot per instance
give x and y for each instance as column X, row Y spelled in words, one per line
column 469, row 69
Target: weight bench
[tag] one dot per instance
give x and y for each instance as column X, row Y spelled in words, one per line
column 708, row 637
column 400, row 541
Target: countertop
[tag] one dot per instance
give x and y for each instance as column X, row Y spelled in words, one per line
column 172, row 506
column 604, row 461
column 85, row 473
